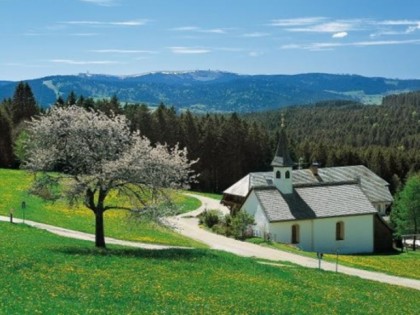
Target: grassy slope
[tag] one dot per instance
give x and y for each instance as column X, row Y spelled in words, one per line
column 405, row 264
column 51, row 275
column 13, row 190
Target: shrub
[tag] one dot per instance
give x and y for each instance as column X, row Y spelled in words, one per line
column 210, row 218
column 219, row 228
column 240, row 225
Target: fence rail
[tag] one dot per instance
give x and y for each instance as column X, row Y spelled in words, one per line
column 411, row 240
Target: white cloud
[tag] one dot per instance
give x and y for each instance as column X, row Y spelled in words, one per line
column 184, row 28
column 292, row 46
column 331, row 45
column 398, row 22
column 198, row 29
column 123, row 51
column 340, row 35
column 296, row 21
column 214, row 31
column 330, row 27
column 255, row 53
column 255, row 34
column 130, row 23
column 139, row 22
column 387, row 42
column 84, row 22
column 189, row 50
column 396, row 27
column 104, row 3
column 83, row 62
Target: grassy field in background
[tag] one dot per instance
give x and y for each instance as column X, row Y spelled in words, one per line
column 14, row 186
column 47, row 274
column 406, row 264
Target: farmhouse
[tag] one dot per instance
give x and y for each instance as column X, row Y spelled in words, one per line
column 317, row 209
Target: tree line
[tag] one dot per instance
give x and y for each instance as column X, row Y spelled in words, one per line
column 226, row 146
column 385, row 138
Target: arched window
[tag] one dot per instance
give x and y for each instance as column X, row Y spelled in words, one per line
column 295, row 234
column 339, row 231
column 278, row 174
column 287, row 174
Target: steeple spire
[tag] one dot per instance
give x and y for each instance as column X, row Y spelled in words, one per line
column 282, row 157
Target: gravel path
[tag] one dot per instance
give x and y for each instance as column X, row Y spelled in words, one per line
column 86, row 236
column 187, row 225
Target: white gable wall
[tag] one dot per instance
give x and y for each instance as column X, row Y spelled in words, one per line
column 253, row 207
column 319, row 235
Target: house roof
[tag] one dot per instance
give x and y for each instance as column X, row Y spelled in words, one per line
column 375, row 188
column 314, row 201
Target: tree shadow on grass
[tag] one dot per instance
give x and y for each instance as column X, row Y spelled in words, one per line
column 164, row 254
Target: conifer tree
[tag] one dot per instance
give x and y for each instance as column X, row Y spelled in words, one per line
column 6, row 152
column 23, row 105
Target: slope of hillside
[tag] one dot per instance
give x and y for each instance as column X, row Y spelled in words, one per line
column 216, row 91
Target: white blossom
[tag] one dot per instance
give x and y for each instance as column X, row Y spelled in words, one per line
column 97, row 154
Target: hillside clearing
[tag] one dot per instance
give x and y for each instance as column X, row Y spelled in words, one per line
column 14, row 185
column 48, row 274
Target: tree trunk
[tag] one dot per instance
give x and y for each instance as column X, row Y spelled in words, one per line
column 99, row 229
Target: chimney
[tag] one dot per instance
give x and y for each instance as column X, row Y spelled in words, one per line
column 314, row 168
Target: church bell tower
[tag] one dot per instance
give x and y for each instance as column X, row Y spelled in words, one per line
column 282, row 164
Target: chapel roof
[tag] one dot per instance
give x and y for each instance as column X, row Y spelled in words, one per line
column 314, row 201
column 373, row 186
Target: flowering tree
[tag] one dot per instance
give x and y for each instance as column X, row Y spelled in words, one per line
column 97, row 155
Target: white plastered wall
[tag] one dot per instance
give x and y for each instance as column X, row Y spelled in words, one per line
column 253, row 207
column 320, row 235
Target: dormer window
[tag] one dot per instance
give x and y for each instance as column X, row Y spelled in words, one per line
column 287, row 174
column 278, row 174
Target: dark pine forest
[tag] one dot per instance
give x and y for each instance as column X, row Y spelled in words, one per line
column 385, row 138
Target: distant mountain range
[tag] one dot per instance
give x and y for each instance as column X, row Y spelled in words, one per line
column 216, row 91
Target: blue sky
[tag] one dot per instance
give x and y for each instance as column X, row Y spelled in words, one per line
column 125, row 37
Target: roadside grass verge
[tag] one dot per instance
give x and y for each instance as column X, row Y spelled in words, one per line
column 14, row 185
column 403, row 264
column 49, row 274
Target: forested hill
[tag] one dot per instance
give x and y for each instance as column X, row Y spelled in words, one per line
column 385, row 138
column 216, row 91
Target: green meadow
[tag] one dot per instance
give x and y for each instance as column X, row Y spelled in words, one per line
column 46, row 274
column 14, row 185
column 403, row 264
